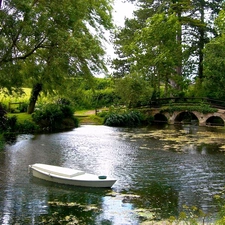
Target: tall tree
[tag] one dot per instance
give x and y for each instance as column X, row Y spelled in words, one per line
column 194, row 28
column 214, row 62
column 201, row 29
column 47, row 43
column 155, row 39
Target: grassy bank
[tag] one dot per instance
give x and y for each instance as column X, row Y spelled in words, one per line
column 88, row 117
column 84, row 117
column 21, row 117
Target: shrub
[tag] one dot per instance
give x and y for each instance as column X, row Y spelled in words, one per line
column 2, row 142
column 23, row 107
column 27, row 127
column 11, row 123
column 203, row 108
column 67, row 111
column 3, row 118
column 69, row 123
column 132, row 118
column 51, row 116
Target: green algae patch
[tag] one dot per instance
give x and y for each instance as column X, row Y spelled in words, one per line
column 180, row 140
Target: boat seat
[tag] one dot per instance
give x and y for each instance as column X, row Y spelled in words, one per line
column 60, row 171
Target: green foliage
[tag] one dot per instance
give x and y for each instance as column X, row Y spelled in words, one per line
column 3, row 118
column 2, row 141
column 52, row 117
column 104, row 98
column 202, row 107
column 133, row 90
column 27, row 127
column 103, row 113
column 164, row 42
column 190, row 215
column 131, row 118
column 97, row 94
column 196, row 89
column 220, row 199
column 20, row 116
column 103, row 83
column 47, row 43
column 214, row 82
column 22, row 126
column 11, row 123
column 23, row 107
column 67, row 111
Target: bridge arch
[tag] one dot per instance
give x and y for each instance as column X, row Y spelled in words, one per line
column 186, row 117
column 215, row 121
column 195, row 117
column 160, row 118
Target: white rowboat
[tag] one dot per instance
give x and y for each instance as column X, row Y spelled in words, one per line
column 69, row 176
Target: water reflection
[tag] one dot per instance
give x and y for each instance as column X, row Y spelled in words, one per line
column 158, row 171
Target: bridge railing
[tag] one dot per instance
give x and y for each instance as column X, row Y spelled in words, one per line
column 214, row 103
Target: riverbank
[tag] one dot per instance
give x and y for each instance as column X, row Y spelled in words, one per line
column 85, row 117
column 88, row 117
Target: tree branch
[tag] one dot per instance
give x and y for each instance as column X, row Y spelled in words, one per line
column 39, row 45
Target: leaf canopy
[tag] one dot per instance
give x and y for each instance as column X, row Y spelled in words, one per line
column 51, row 41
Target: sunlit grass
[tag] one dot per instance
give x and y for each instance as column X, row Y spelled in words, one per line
column 22, row 97
column 88, row 117
column 21, row 116
column 15, row 98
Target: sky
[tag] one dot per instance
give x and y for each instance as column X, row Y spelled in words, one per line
column 121, row 11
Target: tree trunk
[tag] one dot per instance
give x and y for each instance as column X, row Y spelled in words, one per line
column 179, row 42
column 201, row 43
column 37, row 88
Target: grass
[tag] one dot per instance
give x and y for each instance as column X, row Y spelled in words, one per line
column 84, row 117
column 21, row 116
column 88, row 117
column 15, row 97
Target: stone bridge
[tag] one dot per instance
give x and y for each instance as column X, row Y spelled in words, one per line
column 209, row 119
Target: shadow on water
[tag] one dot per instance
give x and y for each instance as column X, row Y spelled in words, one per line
column 70, row 204
column 69, row 188
column 10, row 138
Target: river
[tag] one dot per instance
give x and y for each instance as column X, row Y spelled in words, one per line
column 160, row 172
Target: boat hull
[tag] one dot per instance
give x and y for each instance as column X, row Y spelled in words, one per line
column 84, row 180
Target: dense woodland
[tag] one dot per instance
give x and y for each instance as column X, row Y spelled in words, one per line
column 168, row 49
column 174, row 46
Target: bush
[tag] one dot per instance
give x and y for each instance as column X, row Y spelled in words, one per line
column 51, row 116
column 67, row 111
column 2, row 142
column 23, row 107
column 11, row 123
column 69, row 123
column 203, row 108
column 27, row 127
column 132, row 118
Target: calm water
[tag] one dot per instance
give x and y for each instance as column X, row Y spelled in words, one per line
column 158, row 171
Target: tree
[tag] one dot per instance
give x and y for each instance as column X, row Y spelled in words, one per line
column 47, row 43
column 214, row 62
column 148, row 50
column 133, row 90
column 154, row 46
column 158, row 51
column 200, row 24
